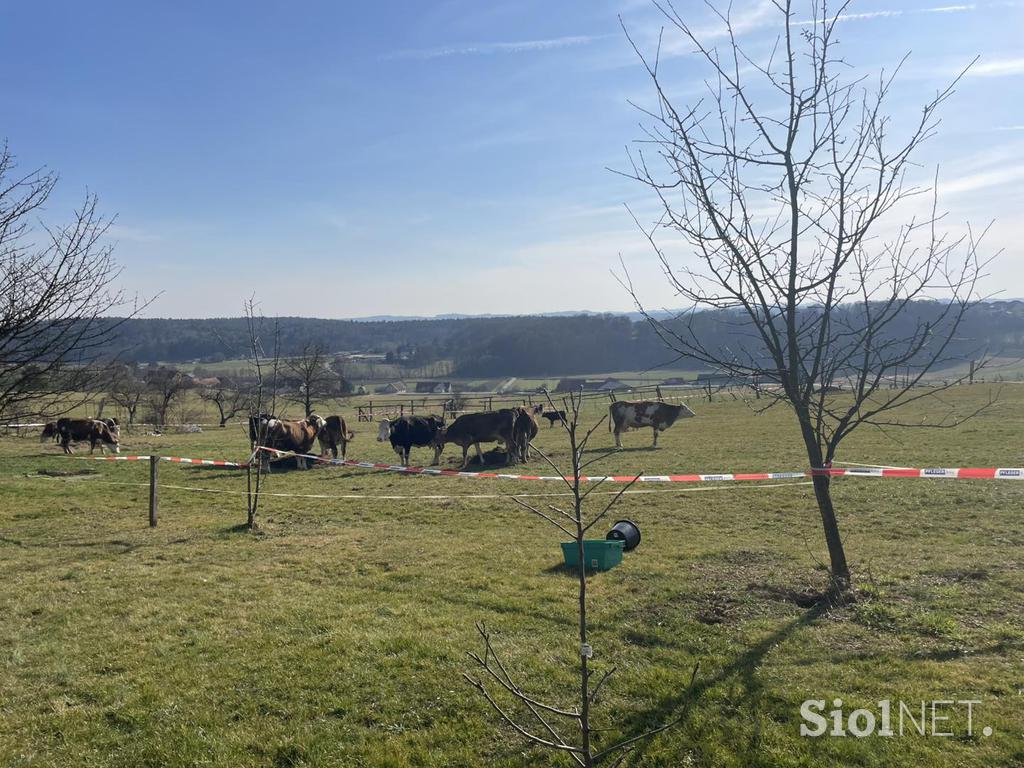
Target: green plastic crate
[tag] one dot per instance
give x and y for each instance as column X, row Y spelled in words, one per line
column 598, row 554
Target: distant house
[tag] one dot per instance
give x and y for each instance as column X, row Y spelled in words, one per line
column 393, row 388
column 676, row 381
column 433, row 387
column 505, row 386
column 609, row 385
column 360, row 390
column 570, row 385
column 210, row 381
column 714, row 378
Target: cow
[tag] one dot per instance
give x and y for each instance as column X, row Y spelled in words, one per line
column 623, row 415
column 293, row 436
column 333, row 435
column 553, row 416
column 49, row 432
column 93, row 430
column 475, row 428
column 114, row 425
column 258, row 424
column 525, row 429
column 407, row 431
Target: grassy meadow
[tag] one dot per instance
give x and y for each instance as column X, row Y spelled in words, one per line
column 336, row 635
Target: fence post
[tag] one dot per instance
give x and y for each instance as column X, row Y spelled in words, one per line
column 154, row 463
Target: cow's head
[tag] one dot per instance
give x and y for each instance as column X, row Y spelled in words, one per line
column 685, row 412
column 383, row 430
column 316, row 422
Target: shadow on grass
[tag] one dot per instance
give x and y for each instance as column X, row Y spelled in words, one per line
column 742, row 672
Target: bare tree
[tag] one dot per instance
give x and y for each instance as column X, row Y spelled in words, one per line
column 163, row 387
column 776, row 181
column 312, row 376
column 125, row 389
column 57, row 295
column 564, row 728
column 263, row 365
column 230, row 401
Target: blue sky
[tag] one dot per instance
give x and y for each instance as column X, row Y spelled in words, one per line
column 351, row 159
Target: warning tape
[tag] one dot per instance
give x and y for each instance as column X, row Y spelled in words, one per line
column 174, row 459
column 960, row 473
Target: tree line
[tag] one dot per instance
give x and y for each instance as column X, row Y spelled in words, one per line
column 525, row 345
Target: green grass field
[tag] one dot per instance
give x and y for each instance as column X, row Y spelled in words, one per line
column 336, row 635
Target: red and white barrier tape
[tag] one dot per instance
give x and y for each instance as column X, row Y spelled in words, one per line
column 961, row 473
column 174, row 459
column 958, row 473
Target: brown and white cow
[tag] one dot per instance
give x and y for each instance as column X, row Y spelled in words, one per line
column 334, row 434
column 525, row 430
column 293, row 436
column 475, row 428
column 78, row 430
column 624, row 415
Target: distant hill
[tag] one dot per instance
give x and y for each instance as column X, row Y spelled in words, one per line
column 499, row 346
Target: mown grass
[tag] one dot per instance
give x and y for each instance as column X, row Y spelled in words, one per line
column 336, row 635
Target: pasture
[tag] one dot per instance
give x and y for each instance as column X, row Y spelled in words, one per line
column 336, row 634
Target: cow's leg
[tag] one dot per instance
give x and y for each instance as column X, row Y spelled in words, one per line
column 479, row 454
column 655, row 436
column 406, row 453
column 618, row 436
column 465, row 455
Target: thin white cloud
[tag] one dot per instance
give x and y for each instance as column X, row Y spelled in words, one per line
column 997, row 68
column 476, row 49
column 972, row 182
column 888, row 14
column 132, row 234
column 1009, row 128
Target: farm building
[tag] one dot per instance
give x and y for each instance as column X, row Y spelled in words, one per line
column 393, row 388
column 433, row 387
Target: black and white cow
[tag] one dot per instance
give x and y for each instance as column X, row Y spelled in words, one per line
column 624, row 415
column 407, row 431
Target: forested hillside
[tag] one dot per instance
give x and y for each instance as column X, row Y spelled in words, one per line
column 520, row 346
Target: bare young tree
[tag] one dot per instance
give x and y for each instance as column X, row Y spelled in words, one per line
column 164, row 386
column 263, row 365
column 230, row 401
column 776, row 181
column 125, row 390
column 568, row 729
column 57, row 295
column 312, row 376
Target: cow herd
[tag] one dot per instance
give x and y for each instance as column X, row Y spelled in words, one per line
column 515, row 427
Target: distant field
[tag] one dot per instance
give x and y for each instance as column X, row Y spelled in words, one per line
column 336, row 635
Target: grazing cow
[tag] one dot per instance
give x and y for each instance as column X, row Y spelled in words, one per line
column 93, row 430
column 333, row 435
column 524, row 431
column 553, row 416
column 475, row 428
column 49, row 432
column 114, row 425
column 624, row 415
column 294, row 436
column 407, row 431
column 257, row 424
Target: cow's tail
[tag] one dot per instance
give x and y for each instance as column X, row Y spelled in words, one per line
column 350, row 435
column 610, row 417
